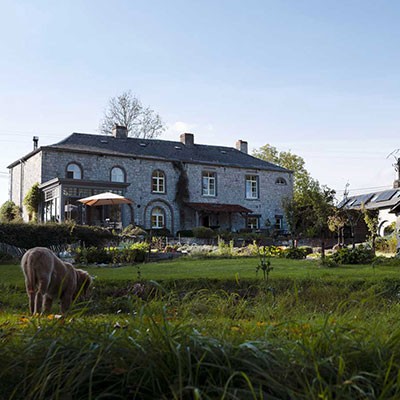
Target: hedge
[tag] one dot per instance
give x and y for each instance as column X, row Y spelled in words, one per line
column 31, row 235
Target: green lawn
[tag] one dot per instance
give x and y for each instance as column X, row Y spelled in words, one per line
column 225, row 269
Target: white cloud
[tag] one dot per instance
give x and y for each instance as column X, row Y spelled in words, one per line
column 174, row 129
column 181, row 127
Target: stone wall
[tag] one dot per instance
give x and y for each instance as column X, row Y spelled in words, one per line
column 23, row 176
column 230, row 186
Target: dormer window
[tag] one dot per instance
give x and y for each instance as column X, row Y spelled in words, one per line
column 280, row 181
column 74, row 171
column 117, row 174
column 158, row 182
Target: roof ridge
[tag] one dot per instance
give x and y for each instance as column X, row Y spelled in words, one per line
column 165, row 150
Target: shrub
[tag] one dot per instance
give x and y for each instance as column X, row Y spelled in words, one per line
column 308, row 249
column 10, row 212
column 185, row 233
column 360, row 255
column 6, row 258
column 386, row 244
column 141, row 249
column 32, row 235
column 295, row 253
column 159, row 232
column 129, row 253
column 92, row 255
column 133, row 230
column 203, row 232
column 32, row 200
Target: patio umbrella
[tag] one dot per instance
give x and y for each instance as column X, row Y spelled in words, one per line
column 105, row 199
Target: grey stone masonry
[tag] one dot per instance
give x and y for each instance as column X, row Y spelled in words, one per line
column 23, row 176
column 96, row 156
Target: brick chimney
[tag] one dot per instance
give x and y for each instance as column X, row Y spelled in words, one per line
column 242, row 146
column 35, row 142
column 120, row 132
column 187, row 139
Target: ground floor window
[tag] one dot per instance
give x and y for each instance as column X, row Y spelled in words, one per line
column 51, row 211
column 157, row 218
column 279, row 222
column 253, row 222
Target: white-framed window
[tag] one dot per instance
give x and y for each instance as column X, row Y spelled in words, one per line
column 74, row 171
column 209, row 184
column 280, row 181
column 251, row 187
column 253, row 222
column 278, row 222
column 157, row 218
column 158, row 182
column 117, row 174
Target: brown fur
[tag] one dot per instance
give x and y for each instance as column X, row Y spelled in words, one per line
column 48, row 278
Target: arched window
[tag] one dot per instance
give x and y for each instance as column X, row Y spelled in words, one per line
column 117, row 174
column 158, row 182
column 157, row 218
column 280, row 181
column 74, row 171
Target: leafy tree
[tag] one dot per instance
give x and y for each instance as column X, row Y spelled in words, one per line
column 10, row 212
column 32, row 201
column 308, row 211
column 127, row 110
column 371, row 218
column 308, row 214
column 302, row 179
column 336, row 223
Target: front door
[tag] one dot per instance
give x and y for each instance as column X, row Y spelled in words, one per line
column 205, row 221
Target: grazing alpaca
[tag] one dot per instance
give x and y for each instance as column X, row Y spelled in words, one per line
column 47, row 278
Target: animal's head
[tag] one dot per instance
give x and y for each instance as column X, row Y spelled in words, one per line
column 83, row 282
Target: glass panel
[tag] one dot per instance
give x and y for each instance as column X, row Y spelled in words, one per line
column 251, row 187
column 157, row 218
column 252, row 222
column 208, row 184
column 117, row 175
column 158, row 182
column 74, row 171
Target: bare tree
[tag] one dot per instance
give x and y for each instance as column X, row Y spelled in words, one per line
column 127, row 110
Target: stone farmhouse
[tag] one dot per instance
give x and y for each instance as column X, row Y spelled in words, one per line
column 173, row 185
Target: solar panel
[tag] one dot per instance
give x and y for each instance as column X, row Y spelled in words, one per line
column 362, row 199
column 386, row 195
column 342, row 203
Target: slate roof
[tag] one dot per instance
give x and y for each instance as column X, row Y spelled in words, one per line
column 161, row 149
column 375, row 200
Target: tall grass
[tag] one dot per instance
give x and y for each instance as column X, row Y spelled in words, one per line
column 312, row 340
column 301, row 336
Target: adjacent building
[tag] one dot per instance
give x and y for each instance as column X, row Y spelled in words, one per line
column 386, row 203
column 175, row 185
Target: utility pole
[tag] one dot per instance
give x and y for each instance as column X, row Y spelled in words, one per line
column 396, row 166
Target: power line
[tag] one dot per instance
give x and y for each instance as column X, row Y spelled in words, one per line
column 363, row 189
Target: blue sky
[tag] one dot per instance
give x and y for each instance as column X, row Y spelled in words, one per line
column 320, row 78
